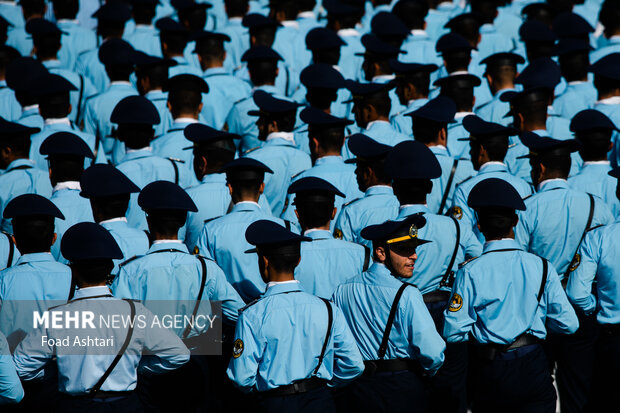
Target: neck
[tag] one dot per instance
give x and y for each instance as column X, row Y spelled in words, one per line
column 322, row 228
column 274, row 276
column 211, row 64
column 186, row 115
column 551, row 175
column 82, row 284
column 236, row 198
column 510, row 235
column 160, row 237
column 496, row 87
column 532, row 125
column 606, row 95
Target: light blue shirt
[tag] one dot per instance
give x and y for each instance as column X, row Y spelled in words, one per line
column 145, row 38
column 183, row 67
column 327, row 262
column 88, row 64
column 593, row 179
column 493, row 41
column 350, row 62
column 239, row 40
column 21, row 177
column 598, row 262
column 9, row 106
column 376, row 206
column 456, row 148
column 11, row 390
column 576, row 97
column 31, row 117
column 5, row 251
column 554, row 221
column 382, row 132
column 160, row 100
column 494, row 298
column 172, row 145
column 77, row 39
column 434, row 257
column 78, row 373
column 224, row 90
column 464, row 170
column 402, row 123
column 220, row 240
column 131, row 241
column 169, row 272
column 611, row 108
column 495, row 110
column 366, row 300
column 274, row 354
column 419, row 48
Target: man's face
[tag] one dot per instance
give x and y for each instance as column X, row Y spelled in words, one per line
column 358, row 112
column 536, row 171
column 400, row 92
column 474, row 152
column 402, row 257
column 360, row 176
column 263, row 129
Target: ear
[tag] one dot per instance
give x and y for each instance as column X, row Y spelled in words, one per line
column 229, row 188
column 54, row 238
column 334, row 213
column 261, row 188
column 314, row 142
column 297, row 215
column 381, row 254
column 200, row 107
column 169, row 106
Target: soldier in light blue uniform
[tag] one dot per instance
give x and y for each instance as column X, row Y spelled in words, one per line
column 37, row 277
column 371, row 108
column 224, row 88
column 378, row 203
column 594, row 131
column 488, row 144
column 289, row 42
column 593, row 290
column 457, row 55
column 219, row 238
column 459, row 88
column 262, row 66
column 500, row 73
column 17, row 36
column 239, row 38
column 20, row 76
column 430, row 127
column 174, row 38
column 11, row 390
column 78, row 39
column 9, row 106
column 108, row 191
column 412, row 87
column 579, row 93
column 324, row 351
column 135, row 116
column 607, row 83
column 536, row 38
column 91, row 249
column 168, row 272
column 145, row 36
column 9, row 254
column 185, row 103
column 52, row 92
column 326, row 262
column 20, row 175
column 111, row 19
column 343, row 18
column 418, row 46
column 326, row 134
column 276, row 121
column 396, row 350
column 65, row 153
column 118, row 58
column 608, row 41
column 508, row 367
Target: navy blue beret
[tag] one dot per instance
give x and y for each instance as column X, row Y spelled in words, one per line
column 313, row 116
column 135, row 110
column 408, row 226
column 102, row 180
column 8, row 128
column 89, row 241
column 569, row 24
column 207, row 35
column 530, row 95
column 252, row 20
column 268, row 104
column 607, row 66
column 202, row 134
column 450, row 42
column 142, row 59
column 495, row 192
column 375, row 46
column 479, row 129
column 359, row 90
column 387, row 24
column 188, row 5
column 412, row 160
column 540, row 145
column 169, row 25
column 569, row 45
column 321, row 76
column 342, row 9
column 51, row 84
column 113, row 11
column 116, row 52
column 365, row 148
column 536, row 31
column 42, row 27
column 165, row 195
column 22, row 72
column 503, row 59
column 267, row 233
column 441, row 109
column 312, row 184
column 458, row 81
column 459, row 20
column 245, row 168
column 401, row 68
column 65, row 143
column 186, row 82
column 321, row 38
column 542, row 72
column 31, row 204
column 260, row 53
column 591, row 119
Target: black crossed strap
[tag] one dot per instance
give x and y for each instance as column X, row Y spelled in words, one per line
column 445, row 280
column 203, row 264
column 330, row 320
column 390, row 322
column 9, row 260
column 583, row 234
column 446, row 190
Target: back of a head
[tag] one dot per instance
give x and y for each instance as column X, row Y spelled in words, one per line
column 380, row 101
column 426, row 131
column 236, row 8
column 412, row 13
column 32, row 7
column 609, row 17
column 7, row 55
column 33, row 233
column 330, row 138
column 462, row 96
column 574, row 66
column 263, row 72
column 486, row 9
column 66, row 9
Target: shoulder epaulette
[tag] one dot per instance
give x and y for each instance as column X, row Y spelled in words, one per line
column 528, row 197
column 512, row 145
column 129, row 260
column 176, row 160
column 296, row 175
column 464, row 263
column 594, row 227
column 210, row 219
column 91, row 96
column 251, row 150
column 250, row 304
column 242, row 99
column 350, row 202
column 464, row 180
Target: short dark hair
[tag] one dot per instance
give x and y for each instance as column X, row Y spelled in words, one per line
column 32, row 7
column 536, row 111
column 605, row 85
column 594, row 144
column 196, row 18
column 330, row 138
column 118, row 72
column 380, row 101
column 559, row 162
column 245, row 187
column 574, row 66
column 377, row 166
column 264, row 35
column 66, row 9
column 321, row 98
column 495, row 222
column 457, row 60
column 425, row 130
column 284, row 263
column 143, row 13
column 263, row 72
column 47, row 45
column 496, row 147
column 184, row 101
column 157, row 74
column 216, row 157
column 462, row 96
column 111, row 206
column 503, row 73
column 135, row 136
column 285, row 121
column 236, row 8
column 420, row 80
column 411, row 12
column 66, row 168
column 314, row 213
column 55, row 106
column 93, row 271
column 412, row 191
column 176, row 42
column 210, row 48
column 20, row 145
column 33, row 233
column 165, row 222
column 330, row 56
column 109, row 28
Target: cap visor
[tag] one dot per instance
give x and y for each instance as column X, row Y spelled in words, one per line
column 254, row 113
column 251, row 250
column 352, row 160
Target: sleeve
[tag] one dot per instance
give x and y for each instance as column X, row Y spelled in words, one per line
column 224, row 292
column 101, row 158
column 460, row 315
column 348, row 362
column 203, row 244
column 523, row 230
column 31, row 354
column 11, row 390
column 247, row 352
column 602, row 213
column 579, row 287
column 169, row 352
column 426, row 342
column 343, row 226
column 561, row 317
column 459, row 201
column 120, row 285
column 90, row 119
column 469, row 242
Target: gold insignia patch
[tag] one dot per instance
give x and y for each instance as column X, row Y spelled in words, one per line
column 337, row 233
column 195, row 251
column 456, row 212
column 456, row 303
column 237, row 348
column 575, row 263
column 413, row 231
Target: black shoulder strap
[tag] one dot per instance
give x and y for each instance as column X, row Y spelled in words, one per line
column 446, row 277
column 585, row 230
column 446, row 190
column 9, row 261
column 96, row 149
column 390, row 321
column 544, row 278
column 79, row 102
column 287, row 224
column 203, row 280
column 366, row 257
column 330, row 320
column 103, row 378
column 176, row 171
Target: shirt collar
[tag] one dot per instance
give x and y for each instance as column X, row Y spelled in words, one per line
column 35, row 257
column 276, row 287
column 316, row 233
column 376, row 122
column 168, row 244
column 501, row 244
column 329, row 159
column 267, row 88
column 120, row 83
column 614, row 100
column 246, row 206
column 215, row 70
column 109, row 221
column 410, row 209
column 378, row 190
column 52, row 64
column 137, row 154
column 419, row 33
column 67, row 185
column 348, row 32
column 596, row 163
column 493, row 166
column 438, row 149
column 290, row 23
column 461, row 115
column 57, row 121
column 214, row 178
column 154, row 93
column 185, row 120
column 30, row 107
column 306, row 15
column 416, row 103
column 287, row 136
column 19, row 162
column 549, row 184
column 383, row 78
column 92, row 292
